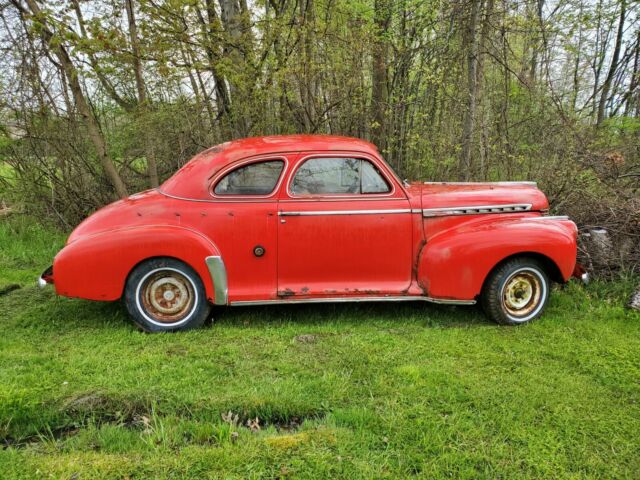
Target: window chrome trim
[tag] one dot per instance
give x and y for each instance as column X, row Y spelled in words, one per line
column 342, row 196
column 220, row 200
column 227, row 169
column 389, row 298
column 477, row 209
column 218, row 273
column 342, row 212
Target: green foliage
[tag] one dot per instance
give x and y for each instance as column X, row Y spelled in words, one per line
column 286, row 67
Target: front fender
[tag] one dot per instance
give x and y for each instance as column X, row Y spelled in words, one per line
column 455, row 263
column 95, row 267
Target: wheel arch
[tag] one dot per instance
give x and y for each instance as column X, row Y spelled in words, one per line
column 160, row 257
column 97, row 267
column 550, row 266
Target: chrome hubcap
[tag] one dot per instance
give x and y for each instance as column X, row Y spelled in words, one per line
column 521, row 293
column 168, row 296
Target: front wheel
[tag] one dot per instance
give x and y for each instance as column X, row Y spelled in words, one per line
column 516, row 292
column 164, row 294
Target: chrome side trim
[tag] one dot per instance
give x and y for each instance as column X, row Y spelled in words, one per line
column 343, row 212
column 218, row 273
column 390, row 298
column 550, row 217
column 476, row 209
column 535, row 184
column 201, row 200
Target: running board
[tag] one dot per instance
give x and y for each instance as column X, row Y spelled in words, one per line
column 403, row 298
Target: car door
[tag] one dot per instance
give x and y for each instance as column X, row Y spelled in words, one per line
column 344, row 229
column 243, row 221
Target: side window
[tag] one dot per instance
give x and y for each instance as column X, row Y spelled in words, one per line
column 254, row 179
column 319, row 176
column 372, row 181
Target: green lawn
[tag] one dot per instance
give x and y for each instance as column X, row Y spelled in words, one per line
column 350, row 391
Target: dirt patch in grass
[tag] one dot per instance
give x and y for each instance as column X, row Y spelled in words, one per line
column 282, row 423
column 104, row 408
column 98, row 409
column 78, row 412
column 8, row 288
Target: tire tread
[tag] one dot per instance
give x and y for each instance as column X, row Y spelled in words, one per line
column 136, row 275
column 491, row 296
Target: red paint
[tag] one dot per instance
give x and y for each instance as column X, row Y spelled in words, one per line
column 318, row 255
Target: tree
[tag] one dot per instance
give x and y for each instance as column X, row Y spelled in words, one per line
column 613, row 68
column 32, row 11
column 379, row 76
column 152, row 166
column 471, row 100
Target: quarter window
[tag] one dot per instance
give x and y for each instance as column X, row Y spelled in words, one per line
column 253, row 179
column 319, row 176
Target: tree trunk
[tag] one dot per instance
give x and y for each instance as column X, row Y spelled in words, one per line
column 576, row 67
column 233, row 14
column 379, row 77
column 152, row 165
column 632, row 94
column 484, row 102
column 71, row 74
column 223, row 101
column 135, row 51
column 606, row 87
column 104, row 81
column 468, row 126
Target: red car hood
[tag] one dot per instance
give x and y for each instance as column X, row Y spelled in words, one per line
column 443, row 195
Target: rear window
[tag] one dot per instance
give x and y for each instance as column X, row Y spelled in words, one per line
column 258, row 178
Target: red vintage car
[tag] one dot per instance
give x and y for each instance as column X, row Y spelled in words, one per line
column 310, row 218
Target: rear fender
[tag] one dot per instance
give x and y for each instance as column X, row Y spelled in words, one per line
column 96, row 266
column 455, row 263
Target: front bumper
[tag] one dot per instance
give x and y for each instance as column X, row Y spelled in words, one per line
column 46, row 277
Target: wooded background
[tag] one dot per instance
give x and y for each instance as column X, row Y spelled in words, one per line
column 104, row 98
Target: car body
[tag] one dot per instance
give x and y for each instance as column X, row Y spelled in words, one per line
column 308, row 218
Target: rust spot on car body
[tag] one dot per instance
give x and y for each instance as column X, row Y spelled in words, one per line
column 287, row 292
column 304, row 290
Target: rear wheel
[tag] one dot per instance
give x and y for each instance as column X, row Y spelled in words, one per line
column 164, row 294
column 516, row 292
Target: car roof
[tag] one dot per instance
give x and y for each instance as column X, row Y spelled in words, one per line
column 191, row 181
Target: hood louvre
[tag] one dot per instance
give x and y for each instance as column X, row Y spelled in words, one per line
column 476, row 210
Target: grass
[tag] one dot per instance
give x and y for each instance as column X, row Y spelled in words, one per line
column 350, row 391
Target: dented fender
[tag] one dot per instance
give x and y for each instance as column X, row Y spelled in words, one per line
column 110, row 256
column 455, row 262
